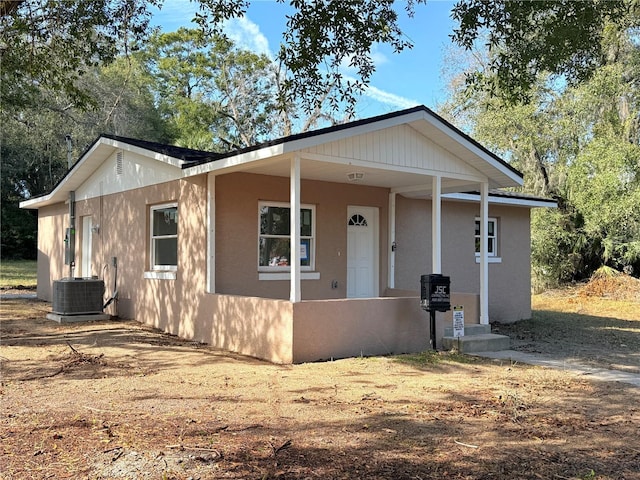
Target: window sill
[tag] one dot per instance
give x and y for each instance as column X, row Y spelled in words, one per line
column 287, row 276
column 160, row 275
column 491, row 259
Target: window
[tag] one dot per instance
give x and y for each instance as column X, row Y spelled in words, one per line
column 492, row 237
column 164, row 237
column 274, row 245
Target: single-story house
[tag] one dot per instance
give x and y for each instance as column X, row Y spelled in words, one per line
column 200, row 242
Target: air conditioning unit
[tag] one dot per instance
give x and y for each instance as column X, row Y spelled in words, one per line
column 77, row 296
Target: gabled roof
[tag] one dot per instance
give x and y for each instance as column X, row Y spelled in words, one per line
column 420, row 118
column 194, row 162
column 363, row 123
column 188, row 155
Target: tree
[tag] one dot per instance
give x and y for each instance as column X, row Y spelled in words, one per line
column 525, row 39
column 215, row 96
column 34, row 151
column 48, row 44
column 579, row 144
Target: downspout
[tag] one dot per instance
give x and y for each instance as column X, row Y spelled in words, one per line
column 71, row 234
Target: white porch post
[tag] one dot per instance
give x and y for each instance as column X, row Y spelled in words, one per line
column 211, row 233
column 295, row 294
column 391, row 281
column 436, row 225
column 484, row 253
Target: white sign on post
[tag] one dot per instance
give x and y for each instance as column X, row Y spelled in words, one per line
column 458, row 321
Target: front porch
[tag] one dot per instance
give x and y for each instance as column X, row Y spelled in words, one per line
column 287, row 332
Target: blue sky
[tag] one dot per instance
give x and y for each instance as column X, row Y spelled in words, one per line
column 403, row 80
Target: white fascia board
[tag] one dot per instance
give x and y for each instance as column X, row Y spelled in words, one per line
column 286, row 147
column 235, row 161
column 50, row 198
column 472, row 147
column 35, row 203
column 76, row 176
column 498, row 200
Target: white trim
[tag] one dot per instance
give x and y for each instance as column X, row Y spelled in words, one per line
column 436, row 225
column 391, row 280
column 295, row 295
column 287, row 276
column 235, row 161
column 490, row 253
column 484, row 257
column 152, row 256
column 489, row 259
column 92, row 159
column 370, row 164
column 158, row 275
column 498, row 200
column 472, row 147
column 312, row 238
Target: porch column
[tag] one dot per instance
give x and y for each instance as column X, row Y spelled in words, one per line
column 295, row 294
column 484, row 253
column 436, row 225
column 391, row 281
column 211, row 233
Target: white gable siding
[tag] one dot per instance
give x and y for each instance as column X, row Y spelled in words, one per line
column 137, row 171
column 399, row 146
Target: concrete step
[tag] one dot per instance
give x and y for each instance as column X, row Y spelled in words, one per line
column 485, row 342
column 469, row 329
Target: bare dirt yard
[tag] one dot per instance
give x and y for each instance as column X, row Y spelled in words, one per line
column 116, row 399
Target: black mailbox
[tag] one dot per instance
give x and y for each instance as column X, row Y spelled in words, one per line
column 435, row 293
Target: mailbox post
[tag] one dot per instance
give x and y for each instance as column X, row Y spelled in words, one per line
column 435, row 296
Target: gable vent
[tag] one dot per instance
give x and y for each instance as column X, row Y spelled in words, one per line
column 119, row 163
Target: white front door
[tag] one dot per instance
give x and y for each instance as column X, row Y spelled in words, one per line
column 362, row 252
column 86, row 246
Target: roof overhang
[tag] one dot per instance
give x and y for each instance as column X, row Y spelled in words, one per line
column 273, row 158
column 88, row 163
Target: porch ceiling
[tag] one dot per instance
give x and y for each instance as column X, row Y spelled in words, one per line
column 409, row 184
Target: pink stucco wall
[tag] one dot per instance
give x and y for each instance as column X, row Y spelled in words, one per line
column 237, row 197
column 509, row 280
column 252, row 317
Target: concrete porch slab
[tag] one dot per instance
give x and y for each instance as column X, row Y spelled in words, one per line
column 485, row 342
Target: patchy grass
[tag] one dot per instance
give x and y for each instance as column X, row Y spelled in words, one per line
column 18, row 274
column 596, row 331
column 430, row 358
column 120, row 400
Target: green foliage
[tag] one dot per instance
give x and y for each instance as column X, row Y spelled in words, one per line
column 51, row 45
column 553, row 256
column 34, row 150
column 604, row 184
column 319, row 38
column 580, row 145
column 15, row 273
column 214, row 96
column 526, row 39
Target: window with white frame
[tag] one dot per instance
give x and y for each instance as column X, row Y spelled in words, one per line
column 164, row 237
column 274, row 230
column 492, row 237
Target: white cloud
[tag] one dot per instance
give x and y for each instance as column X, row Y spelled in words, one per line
column 389, row 98
column 247, row 35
